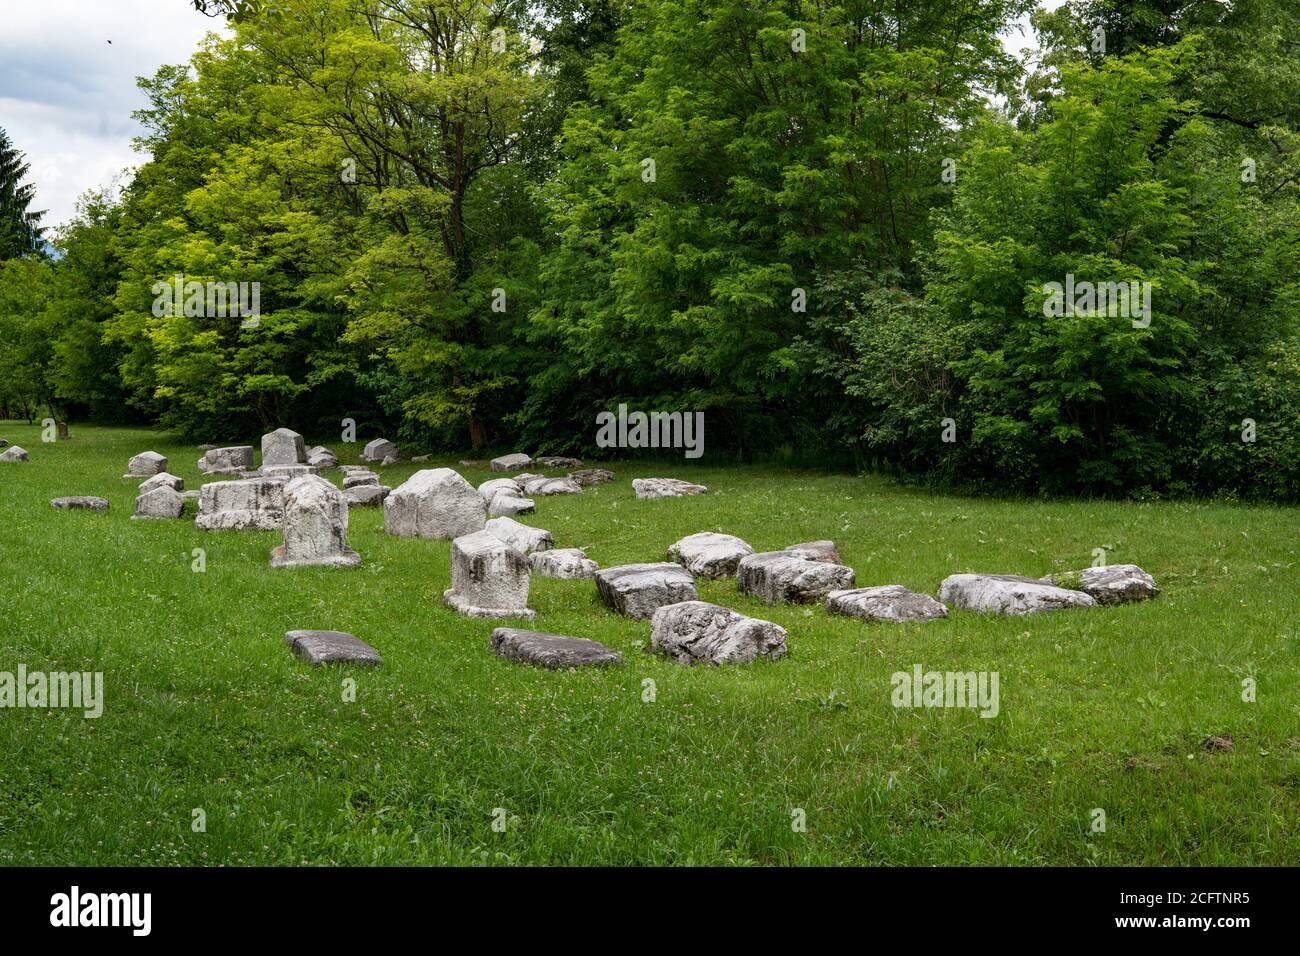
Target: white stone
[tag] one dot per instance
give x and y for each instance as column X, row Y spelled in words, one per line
column 227, row 461
column 283, row 447
column 496, row 486
column 354, row 478
column 513, row 462
column 777, row 576
column 520, row 536
column 288, row 471
column 887, row 602
column 252, row 504
column 162, row 480
column 161, row 502
column 366, row 496
column 16, row 453
column 569, row 563
column 321, row 457
column 1007, row 594
column 507, row 506
column 665, row 488
column 1109, row 585
column 552, row 486
column 488, row 578
column 378, row 450
column 145, row 465
column 315, row 526
column 434, row 503
column 638, row 590
column 709, row 554
column 692, row 632
column 817, row 551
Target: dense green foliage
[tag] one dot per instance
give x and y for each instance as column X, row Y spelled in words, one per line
column 831, row 228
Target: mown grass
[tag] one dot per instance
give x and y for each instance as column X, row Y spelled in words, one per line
column 206, row 708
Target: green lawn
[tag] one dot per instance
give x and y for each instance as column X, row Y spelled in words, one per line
column 205, row 708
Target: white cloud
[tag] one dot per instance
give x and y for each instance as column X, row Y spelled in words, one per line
column 67, row 93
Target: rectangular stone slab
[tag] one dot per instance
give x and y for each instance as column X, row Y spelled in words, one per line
column 331, row 647
column 554, row 651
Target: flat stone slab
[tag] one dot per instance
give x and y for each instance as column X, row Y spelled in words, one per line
column 14, row 453
column 331, row 647
column 552, row 651
column 83, row 502
column 288, row 471
column 568, row 563
column 515, row 462
column 817, row 551
column 638, row 590
column 778, row 576
column 648, row 488
column 521, row 537
column 352, row 479
column 696, row 632
column 710, row 554
column 1008, row 594
column 1109, row 585
column 552, row 486
column 592, row 476
column 366, row 496
column 507, row 506
column 557, row 461
column 145, row 465
column 887, row 602
column 434, row 503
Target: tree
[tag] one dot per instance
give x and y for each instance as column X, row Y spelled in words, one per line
column 20, row 231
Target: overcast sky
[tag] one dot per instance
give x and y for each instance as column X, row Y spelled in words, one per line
column 67, row 94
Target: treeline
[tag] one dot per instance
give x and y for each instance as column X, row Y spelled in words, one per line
column 832, row 228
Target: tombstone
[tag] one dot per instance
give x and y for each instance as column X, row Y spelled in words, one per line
column 552, row 486
column 1008, row 594
column 556, row 461
column 14, row 453
column 709, row 554
column 331, row 647
column 62, row 430
column 887, row 602
column 648, row 488
column 318, row 456
column 161, row 502
column 390, row 460
column 507, row 506
column 145, row 465
column 162, row 480
column 521, row 537
column 354, row 478
column 638, row 590
column 496, row 486
column 230, row 460
column 433, row 503
column 552, row 651
column 488, row 578
column 283, row 447
column 817, row 551
column 253, row 504
column 778, row 576
column 288, row 471
column 378, row 450
column 567, row 563
column 80, row 502
column 1109, row 585
column 516, row 462
column 366, row 496
column 592, row 476
column 696, row 632
column 315, row 526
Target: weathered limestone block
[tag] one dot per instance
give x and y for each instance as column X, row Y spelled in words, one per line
column 507, row 506
column 552, row 486
column 665, row 488
column 315, row 526
column 161, row 502
column 145, row 465
column 331, row 647
column 354, row 478
column 570, row 563
column 283, row 447
column 288, row 471
column 378, row 450
column 638, row 590
column 777, row 576
column 82, row 502
column 695, row 632
column 553, row 651
column 1109, row 585
column 318, row 456
column 252, row 504
column 558, row 461
column 162, row 480
column 887, row 602
column 489, row 578
column 1008, row 594
column 521, row 537
column 817, row 551
column 17, row 453
column 227, row 461
column 591, row 476
column 515, row 462
column 709, row 554
column 366, row 496
column 434, row 503
column 497, row 486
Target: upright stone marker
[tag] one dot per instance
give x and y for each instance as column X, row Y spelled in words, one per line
column 315, row 526
column 145, row 465
column 488, row 578
column 434, row 503
column 283, row 447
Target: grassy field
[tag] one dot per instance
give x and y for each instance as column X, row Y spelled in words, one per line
column 205, row 708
